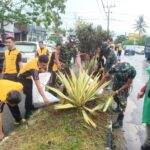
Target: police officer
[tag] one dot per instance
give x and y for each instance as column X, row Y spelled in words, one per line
column 11, row 67
column 10, row 94
column 55, row 64
column 42, row 50
column 32, row 69
column 12, row 61
column 124, row 74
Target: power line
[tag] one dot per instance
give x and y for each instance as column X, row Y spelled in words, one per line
column 131, row 15
column 115, row 13
column 103, row 6
column 115, row 20
column 99, row 8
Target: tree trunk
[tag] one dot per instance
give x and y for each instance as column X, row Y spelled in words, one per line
column 2, row 31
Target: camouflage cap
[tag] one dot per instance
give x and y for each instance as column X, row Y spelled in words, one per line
column 124, row 66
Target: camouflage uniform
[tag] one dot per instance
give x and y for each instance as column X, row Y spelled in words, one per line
column 109, row 54
column 122, row 72
column 111, row 60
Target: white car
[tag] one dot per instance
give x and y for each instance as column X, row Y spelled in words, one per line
column 50, row 47
column 27, row 49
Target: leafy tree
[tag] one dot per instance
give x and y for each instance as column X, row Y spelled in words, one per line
column 10, row 12
column 26, row 11
column 129, row 42
column 142, row 40
column 90, row 37
column 120, row 38
column 140, row 25
column 46, row 11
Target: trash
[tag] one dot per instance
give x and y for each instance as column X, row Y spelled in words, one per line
column 37, row 98
column 100, row 92
column 31, row 122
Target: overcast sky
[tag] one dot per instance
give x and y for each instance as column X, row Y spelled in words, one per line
column 123, row 15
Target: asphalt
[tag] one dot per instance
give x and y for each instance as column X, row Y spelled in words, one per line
column 134, row 130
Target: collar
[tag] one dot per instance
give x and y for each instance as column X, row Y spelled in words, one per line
column 12, row 49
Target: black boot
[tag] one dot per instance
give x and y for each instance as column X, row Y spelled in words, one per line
column 119, row 122
column 145, row 147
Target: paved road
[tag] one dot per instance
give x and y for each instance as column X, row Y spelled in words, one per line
column 134, row 130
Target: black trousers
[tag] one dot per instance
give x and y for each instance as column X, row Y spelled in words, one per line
column 119, row 53
column 27, row 89
column 15, row 109
column 53, row 78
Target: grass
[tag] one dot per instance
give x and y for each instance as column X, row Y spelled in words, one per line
column 49, row 129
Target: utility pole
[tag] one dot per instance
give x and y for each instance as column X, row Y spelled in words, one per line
column 107, row 10
column 108, row 21
column 108, row 18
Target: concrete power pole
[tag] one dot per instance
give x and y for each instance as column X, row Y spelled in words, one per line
column 108, row 17
column 108, row 21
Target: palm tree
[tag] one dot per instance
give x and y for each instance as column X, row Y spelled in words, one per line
column 140, row 25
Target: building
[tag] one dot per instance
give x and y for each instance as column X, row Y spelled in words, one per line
column 8, row 31
column 133, row 36
column 29, row 33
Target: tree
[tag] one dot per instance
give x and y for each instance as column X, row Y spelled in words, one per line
column 129, row 42
column 142, row 40
column 90, row 37
column 120, row 38
column 42, row 12
column 46, row 11
column 140, row 25
column 10, row 12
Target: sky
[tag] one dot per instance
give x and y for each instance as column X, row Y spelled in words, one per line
column 122, row 17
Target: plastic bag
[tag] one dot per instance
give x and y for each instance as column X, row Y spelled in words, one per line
column 100, row 92
column 37, row 98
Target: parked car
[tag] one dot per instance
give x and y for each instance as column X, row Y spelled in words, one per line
column 139, row 50
column 3, row 47
column 128, row 50
column 27, row 49
column 147, row 49
column 50, row 48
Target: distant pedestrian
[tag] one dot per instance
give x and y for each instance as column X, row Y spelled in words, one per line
column 146, row 111
column 120, row 48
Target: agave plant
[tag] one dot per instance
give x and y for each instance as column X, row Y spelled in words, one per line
column 90, row 66
column 80, row 91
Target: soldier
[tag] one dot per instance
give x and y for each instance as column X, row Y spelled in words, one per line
column 110, row 56
column 124, row 74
